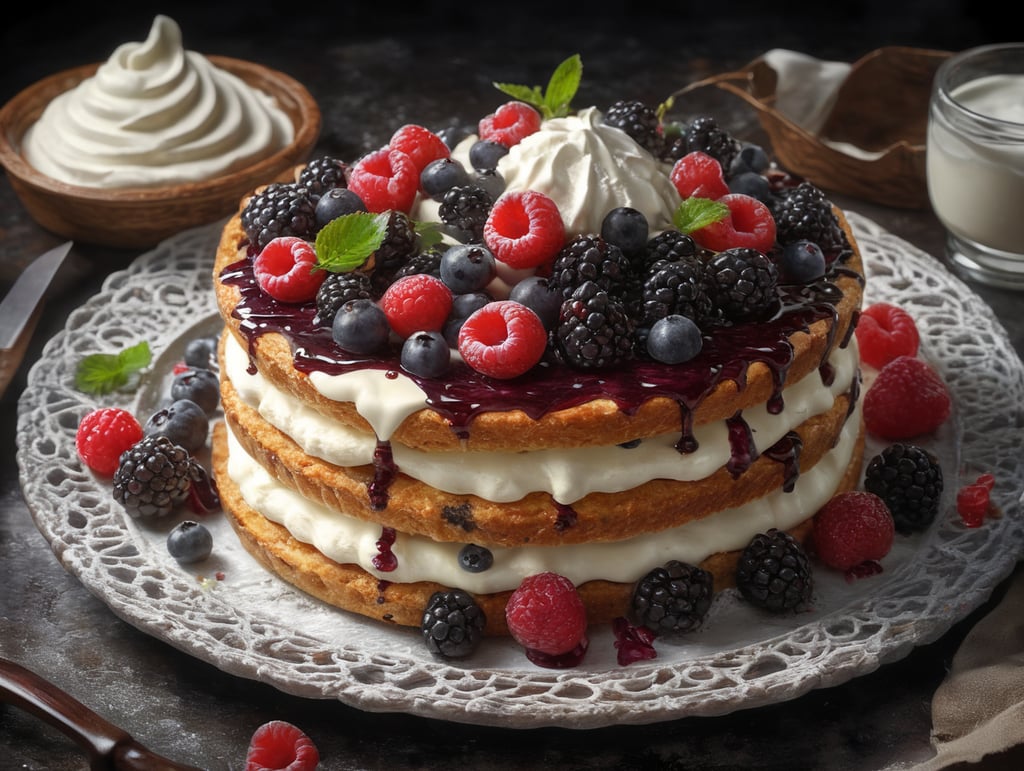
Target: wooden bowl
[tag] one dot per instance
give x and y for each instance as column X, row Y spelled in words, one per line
column 142, row 217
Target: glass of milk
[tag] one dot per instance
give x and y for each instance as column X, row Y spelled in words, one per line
column 975, row 161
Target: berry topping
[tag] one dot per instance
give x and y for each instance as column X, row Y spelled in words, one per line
column 503, row 339
column 183, row 422
column 673, row 598
column 103, row 435
column 189, row 542
column 336, row 290
column 884, row 332
column 416, row 303
column 626, row 228
column 906, row 400
column 323, row 174
column 633, row 643
column 286, row 270
column 590, row 258
column 537, row 294
column 594, row 331
column 421, row 144
column 441, row 175
column 545, row 614
column 804, row 213
column 385, row 179
column 426, row 354
column 974, row 500
column 774, row 573
column 674, row 339
column 749, row 223
column 679, row 286
column 464, row 210
column 467, row 268
column 452, row 624
column 908, row 479
column 360, row 327
column 742, row 284
column 524, row 229
column 153, row 477
column 336, row 202
column 510, row 123
column 698, row 175
column 705, row 135
column 638, row 120
column 279, row 209
column 851, row 529
column 281, row 746
column 801, row 262
column 485, row 154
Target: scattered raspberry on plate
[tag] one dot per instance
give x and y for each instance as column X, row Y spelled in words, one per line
column 884, row 332
column 907, row 399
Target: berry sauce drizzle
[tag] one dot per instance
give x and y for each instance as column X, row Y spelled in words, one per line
column 386, row 561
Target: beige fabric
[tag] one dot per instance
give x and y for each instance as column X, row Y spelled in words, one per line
column 978, row 710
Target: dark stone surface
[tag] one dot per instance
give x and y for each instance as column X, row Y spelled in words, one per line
column 371, row 73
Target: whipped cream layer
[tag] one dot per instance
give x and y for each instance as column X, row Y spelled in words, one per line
column 155, row 114
column 588, row 168
column 567, row 474
column 348, row 540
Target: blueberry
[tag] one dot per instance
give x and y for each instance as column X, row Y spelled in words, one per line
column 440, row 176
column 426, row 354
column 485, row 154
column 674, row 339
column 335, row 203
column 753, row 184
column 801, row 262
column 467, row 268
column 198, row 385
column 751, row 157
column 183, row 422
column 360, row 327
column 201, row 353
column 475, row 559
column 189, row 542
column 537, row 294
column 491, row 181
column 453, row 135
column 627, row 228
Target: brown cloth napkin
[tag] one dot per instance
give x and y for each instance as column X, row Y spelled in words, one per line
column 978, row 710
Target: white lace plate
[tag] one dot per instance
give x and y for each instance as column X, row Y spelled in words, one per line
column 230, row 613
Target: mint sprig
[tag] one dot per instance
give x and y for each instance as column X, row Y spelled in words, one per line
column 554, row 101
column 348, row 241
column 102, row 373
column 696, row 213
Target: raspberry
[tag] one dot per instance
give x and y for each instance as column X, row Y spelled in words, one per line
column 385, row 179
column 851, row 529
column 973, row 500
column 416, row 303
column 281, row 746
column 286, row 270
column 884, row 332
column 633, row 643
column 103, row 435
column 545, row 614
column 509, row 124
column 420, row 144
column 749, row 224
column 698, row 175
column 503, row 339
column 524, row 229
column 906, row 400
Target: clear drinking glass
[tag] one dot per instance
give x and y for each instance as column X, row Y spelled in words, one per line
column 975, row 161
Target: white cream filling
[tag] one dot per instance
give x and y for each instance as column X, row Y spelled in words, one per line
column 567, row 474
column 348, row 540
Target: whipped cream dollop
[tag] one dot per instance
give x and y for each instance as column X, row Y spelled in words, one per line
column 155, row 114
column 588, row 168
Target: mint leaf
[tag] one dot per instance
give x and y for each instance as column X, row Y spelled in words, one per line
column 696, row 213
column 556, row 100
column 345, row 243
column 101, row 373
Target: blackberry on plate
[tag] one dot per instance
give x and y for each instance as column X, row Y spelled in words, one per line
column 774, row 572
column 639, row 121
column 594, row 330
column 279, row 209
column 706, row 136
column 742, row 284
column 678, row 287
column 452, row 624
column 153, row 477
column 336, row 290
column 675, row 597
column 323, row 174
column 804, row 213
column 465, row 208
column 909, row 479
column 590, row 258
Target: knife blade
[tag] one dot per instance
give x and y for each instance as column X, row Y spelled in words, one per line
column 24, row 297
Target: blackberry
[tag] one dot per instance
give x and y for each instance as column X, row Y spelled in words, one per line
column 594, row 331
column 280, row 209
column 323, row 174
column 909, row 479
column 742, row 284
column 453, row 624
column 336, row 290
column 705, row 135
column 678, row 287
column 668, row 245
column 590, row 258
column 804, row 213
column 465, row 208
column 428, row 262
column 400, row 242
column 154, row 476
column 639, row 121
column 774, row 572
column 675, row 597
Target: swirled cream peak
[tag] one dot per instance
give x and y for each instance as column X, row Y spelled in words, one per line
column 589, row 168
column 155, row 114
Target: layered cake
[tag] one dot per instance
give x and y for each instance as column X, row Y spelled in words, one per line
column 582, row 342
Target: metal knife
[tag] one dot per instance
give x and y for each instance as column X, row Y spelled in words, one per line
column 23, row 298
